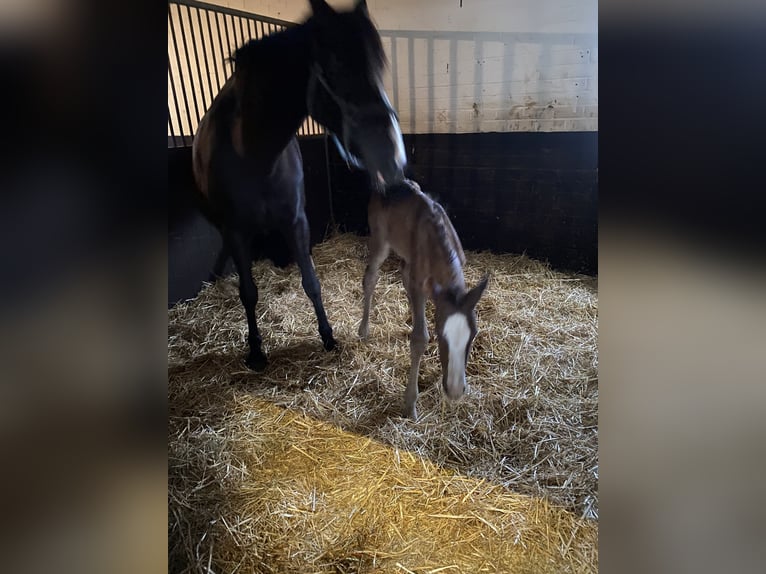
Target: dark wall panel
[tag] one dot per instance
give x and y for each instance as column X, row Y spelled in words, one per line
column 511, row 192
column 507, row 192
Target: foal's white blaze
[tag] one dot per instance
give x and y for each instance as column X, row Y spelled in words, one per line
column 456, row 333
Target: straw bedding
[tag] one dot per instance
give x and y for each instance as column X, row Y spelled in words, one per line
column 503, row 480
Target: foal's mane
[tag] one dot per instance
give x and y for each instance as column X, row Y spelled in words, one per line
column 447, row 251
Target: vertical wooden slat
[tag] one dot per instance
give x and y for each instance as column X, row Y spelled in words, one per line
column 180, row 73
column 196, row 60
column 212, row 49
column 188, row 67
column 175, row 102
column 204, row 57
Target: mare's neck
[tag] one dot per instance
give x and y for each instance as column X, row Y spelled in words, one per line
column 278, row 107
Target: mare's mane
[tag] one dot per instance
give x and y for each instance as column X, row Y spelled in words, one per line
column 356, row 28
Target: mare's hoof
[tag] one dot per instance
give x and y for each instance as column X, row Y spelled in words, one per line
column 256, row 362
column 330, row 343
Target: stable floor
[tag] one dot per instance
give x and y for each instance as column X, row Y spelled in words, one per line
column 309, row 466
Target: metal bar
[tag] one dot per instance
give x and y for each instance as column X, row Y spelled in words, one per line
column 188, row 66
column 196, row 60
column 231, row 11
column 212, row 49
column 228, row 45
column 172, row 131
column 394, row 74
column 237, row 42
column 204, row 56
column 220, row 43
column 180, row 72
column 251, row 28
column 242, row 33
column 260, row 34
column 175, row 100
column 411, row 81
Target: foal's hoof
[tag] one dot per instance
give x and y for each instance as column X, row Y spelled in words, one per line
column 410, row 413
column 256, row 362
column 363, row 332
column 330, row 343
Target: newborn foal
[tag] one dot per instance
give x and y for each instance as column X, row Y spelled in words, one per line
column 419, row 231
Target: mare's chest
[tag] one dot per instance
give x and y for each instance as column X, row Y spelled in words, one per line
column 257, row 191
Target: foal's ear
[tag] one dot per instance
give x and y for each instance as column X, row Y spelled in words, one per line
column 361, row 7
column 471, row 298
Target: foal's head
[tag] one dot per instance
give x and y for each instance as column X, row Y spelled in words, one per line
column 455, row 330
column 346, row 95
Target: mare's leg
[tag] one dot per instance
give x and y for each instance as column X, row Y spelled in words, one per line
column 298, row 239
column 378, row 253
column 248, row 294
column 220, row 263
column 418, row 342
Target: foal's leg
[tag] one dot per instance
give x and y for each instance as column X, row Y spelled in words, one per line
column 299, row 243
column 248, row 294
column 418, row 342
column 404, row 270
column 378, row 253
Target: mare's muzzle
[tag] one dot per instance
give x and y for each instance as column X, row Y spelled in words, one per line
column 375, row 138
column 370, row 137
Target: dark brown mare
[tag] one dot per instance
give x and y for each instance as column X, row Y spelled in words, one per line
column 246, row 159
column 417, row 229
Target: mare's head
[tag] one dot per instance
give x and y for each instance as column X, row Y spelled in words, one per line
column 455, row 330
column 345, row 91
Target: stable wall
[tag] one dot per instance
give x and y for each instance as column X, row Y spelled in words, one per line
column 517, row 173
column 519, row 192
column 464, row 66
